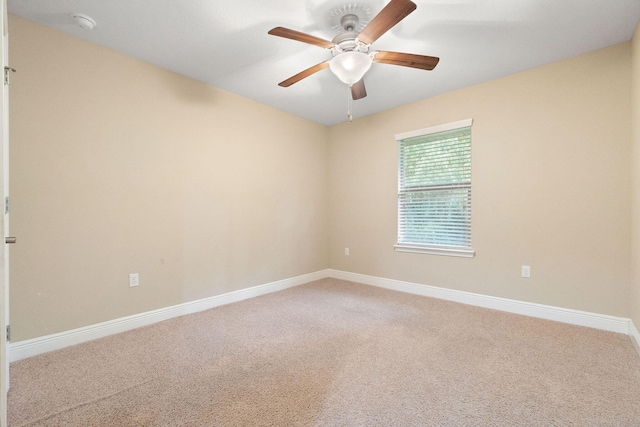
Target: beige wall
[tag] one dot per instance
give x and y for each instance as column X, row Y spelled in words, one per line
column 635, row 70
column 551, row 187
column 118, row 167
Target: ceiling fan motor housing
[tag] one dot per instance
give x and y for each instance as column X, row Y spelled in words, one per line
column 348, row 42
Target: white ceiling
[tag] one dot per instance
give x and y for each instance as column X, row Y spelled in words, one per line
column 225, row 43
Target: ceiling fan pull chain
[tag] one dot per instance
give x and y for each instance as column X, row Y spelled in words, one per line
column 349, row 104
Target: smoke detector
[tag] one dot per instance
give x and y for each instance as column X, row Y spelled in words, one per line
column 83, row 21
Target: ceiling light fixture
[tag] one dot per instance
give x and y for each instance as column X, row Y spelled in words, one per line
column 350, row 67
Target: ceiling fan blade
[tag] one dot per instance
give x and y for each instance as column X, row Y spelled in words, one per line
column 301, row 37
column 392, row 13
column 358, row 91
column 302, row 74
column 421, row 62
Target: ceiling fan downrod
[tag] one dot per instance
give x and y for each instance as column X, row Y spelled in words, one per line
column 349, row 22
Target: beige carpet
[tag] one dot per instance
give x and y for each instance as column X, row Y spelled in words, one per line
column 335, row 353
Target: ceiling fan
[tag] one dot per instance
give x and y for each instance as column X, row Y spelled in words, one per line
column 351, row 56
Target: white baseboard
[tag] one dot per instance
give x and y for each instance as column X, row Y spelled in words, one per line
column 565, row 315
column 635, row 336
column 35, row 346
column 23, row 349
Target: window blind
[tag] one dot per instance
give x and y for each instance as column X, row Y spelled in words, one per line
column 434, row 189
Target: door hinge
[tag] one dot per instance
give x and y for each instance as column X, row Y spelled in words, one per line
column 6, row 205
column 6, row 74
column 8, row 332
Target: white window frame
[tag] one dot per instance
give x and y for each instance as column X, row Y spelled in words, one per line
column 458, row 251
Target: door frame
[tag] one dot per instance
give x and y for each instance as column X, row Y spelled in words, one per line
column 4, row 253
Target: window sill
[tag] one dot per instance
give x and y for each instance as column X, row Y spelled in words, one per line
column 436, row 250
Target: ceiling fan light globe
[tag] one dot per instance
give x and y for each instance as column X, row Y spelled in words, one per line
column 350, row 67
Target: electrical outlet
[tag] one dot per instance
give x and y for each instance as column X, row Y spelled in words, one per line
column 526, row 271
column 134, row 280
column 346, row 251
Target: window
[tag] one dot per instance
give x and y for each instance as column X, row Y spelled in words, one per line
column 434, row 190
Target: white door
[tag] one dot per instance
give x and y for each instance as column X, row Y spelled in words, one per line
column 4, row 253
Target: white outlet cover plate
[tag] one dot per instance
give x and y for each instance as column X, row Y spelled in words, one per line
column 133, row 280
